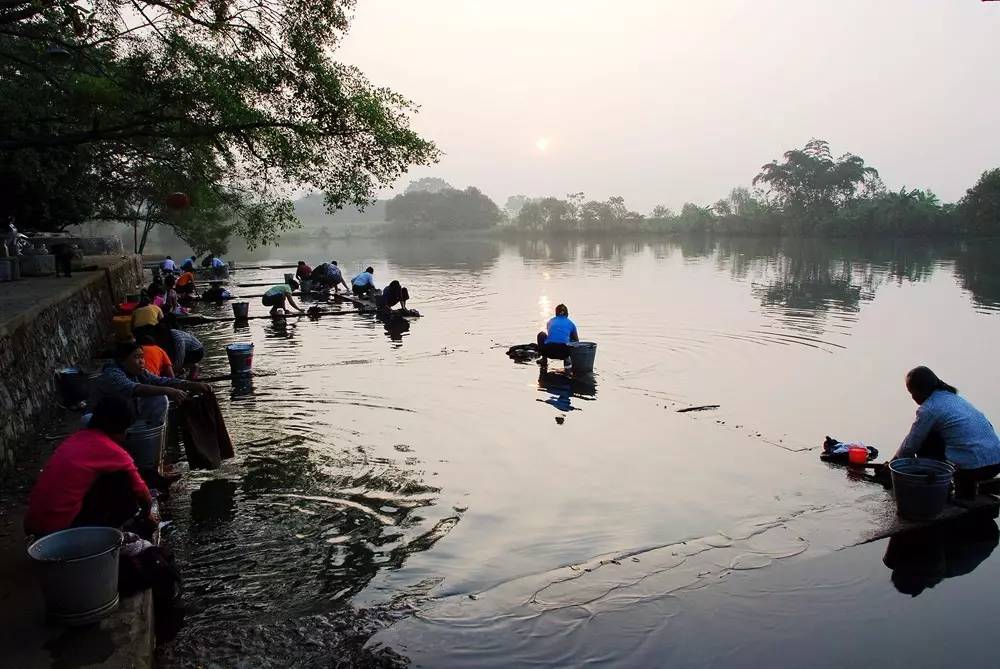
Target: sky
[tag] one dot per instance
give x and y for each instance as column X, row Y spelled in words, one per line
column 666, row 101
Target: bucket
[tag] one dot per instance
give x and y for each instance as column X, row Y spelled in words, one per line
column 240, row 358
column 920, row 486
column 122, row 326
column 78, row 572
column 241, row 310
column 72, row 385
column 144, row 443
column 582, row 354
column 5, row 269
column 305, row 287
column 289, row 279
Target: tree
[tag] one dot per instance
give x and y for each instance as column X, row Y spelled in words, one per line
column 428, row 185
column 809, row 181
column 514, row 204
column 979, row 209
column 448, row 209
column 246, row 89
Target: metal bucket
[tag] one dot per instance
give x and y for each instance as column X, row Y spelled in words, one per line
column 240, row 358
column 78, row 572
column 921, row 487
column 72, row 385
column 582, row 354
column 144, row 443
column 241, row 310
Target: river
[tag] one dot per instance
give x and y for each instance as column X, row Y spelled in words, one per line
column 410, row 480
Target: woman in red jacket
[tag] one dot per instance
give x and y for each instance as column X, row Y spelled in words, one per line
column 90, row 479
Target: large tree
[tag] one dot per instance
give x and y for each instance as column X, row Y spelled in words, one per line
column 241, row 95
column 979, row 209
column 810, row 181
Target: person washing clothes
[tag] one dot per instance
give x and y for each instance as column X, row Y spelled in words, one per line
column 560, row 331
column 90, row 480
column 364, row 283
column 168, row 265
column 188, row 264
column 303, row 271
column 328, row 275
column 126, row 377
column 948, row 427
column 276, row 296
column 147, row 315
column 393, row 294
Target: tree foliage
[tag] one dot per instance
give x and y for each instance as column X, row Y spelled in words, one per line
column 447, row 209
column 428, row 185
column 980, row 208
column 241, row 96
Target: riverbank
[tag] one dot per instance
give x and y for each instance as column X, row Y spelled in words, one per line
column 47, row 323
column 123, row 639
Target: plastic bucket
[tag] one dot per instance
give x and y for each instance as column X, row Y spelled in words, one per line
column 241, row 310
column 582, row 354
column 289, row 279
column 144, row 443
column 240, row 358
column 305, row 287
column 72, row 385
column 78, row 572
column 921, row 487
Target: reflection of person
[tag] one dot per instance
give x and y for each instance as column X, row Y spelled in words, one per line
column 560, row 331
column 276, row 296
column 923, row 558
column 364, row 283
column 949, row 428
column 90, row 480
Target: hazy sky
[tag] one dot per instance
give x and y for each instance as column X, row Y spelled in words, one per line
column 666, row 101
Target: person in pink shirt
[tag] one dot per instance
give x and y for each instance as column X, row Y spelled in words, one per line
column 90, row 480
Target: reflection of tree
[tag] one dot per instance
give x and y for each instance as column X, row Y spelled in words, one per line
column 977, row 269
column 470, row 255
column 923, row 558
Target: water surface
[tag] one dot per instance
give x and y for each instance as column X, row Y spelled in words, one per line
column 410, row 471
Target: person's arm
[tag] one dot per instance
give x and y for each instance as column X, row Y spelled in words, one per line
column 573, row 335
column 918, row 434
column 291, row 302
column 147, row 390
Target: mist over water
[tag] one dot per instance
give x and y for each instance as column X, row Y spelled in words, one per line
column 412, row 470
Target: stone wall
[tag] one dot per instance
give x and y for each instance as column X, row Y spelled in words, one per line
column 65, row 326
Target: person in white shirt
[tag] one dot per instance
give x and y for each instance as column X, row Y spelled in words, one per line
column 168, row 265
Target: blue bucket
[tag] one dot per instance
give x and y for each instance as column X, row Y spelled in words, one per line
column 240, row 358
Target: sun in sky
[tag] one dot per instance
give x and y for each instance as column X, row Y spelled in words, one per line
column 542, row 144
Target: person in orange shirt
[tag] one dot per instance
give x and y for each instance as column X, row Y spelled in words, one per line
column 185, row 283
column 155, row 359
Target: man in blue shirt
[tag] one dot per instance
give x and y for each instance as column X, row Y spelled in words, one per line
column 364, row 283
column 560, row 331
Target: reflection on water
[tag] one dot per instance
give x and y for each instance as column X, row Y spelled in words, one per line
column 563, row 386
column 375, row 480
column 923, row 558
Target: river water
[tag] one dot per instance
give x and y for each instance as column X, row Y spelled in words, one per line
column 409, row 480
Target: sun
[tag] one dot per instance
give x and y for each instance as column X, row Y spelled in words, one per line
column 542, row 144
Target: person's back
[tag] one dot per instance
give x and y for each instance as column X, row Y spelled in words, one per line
column 561, row 330
column 969, row 438
column 146, row 316
column 184, row 281
column 61, row 491
column 156, row 361
column 363, row 279
column 218, row 262
column 168, row 265
column 188, row 264
column 278, row 289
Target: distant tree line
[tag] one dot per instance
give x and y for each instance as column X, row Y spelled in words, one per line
column 807, row 192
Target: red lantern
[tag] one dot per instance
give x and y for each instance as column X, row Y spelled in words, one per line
column 178, row 200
